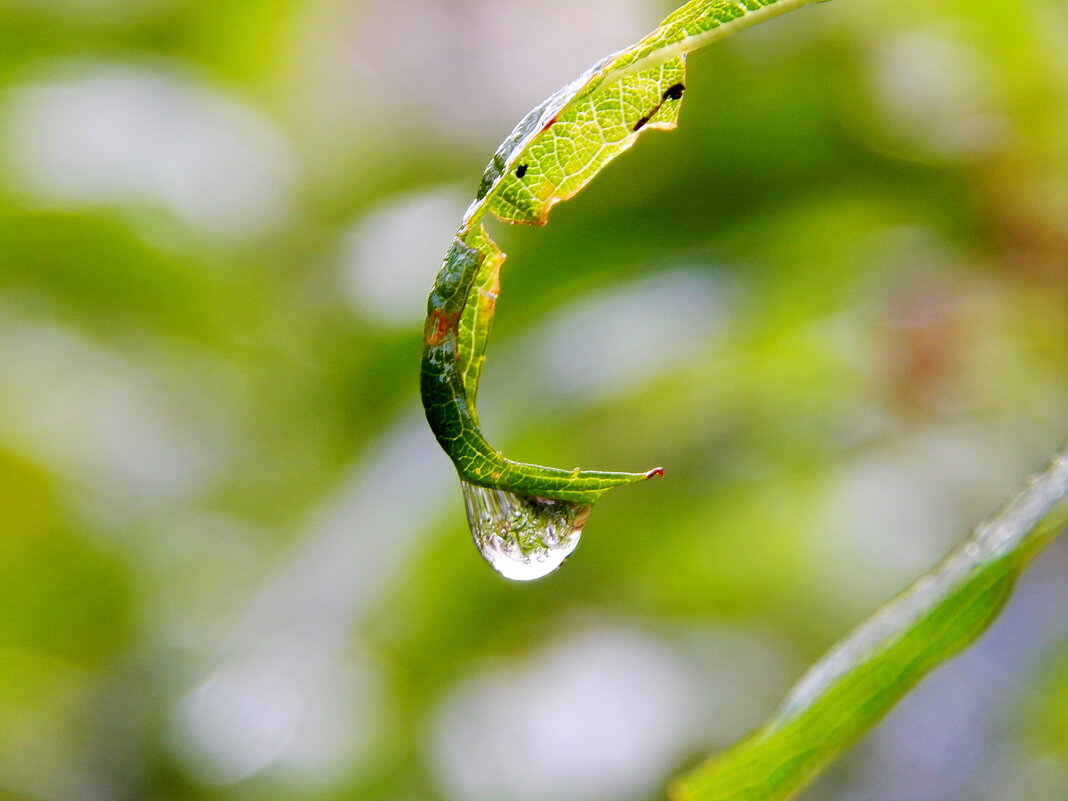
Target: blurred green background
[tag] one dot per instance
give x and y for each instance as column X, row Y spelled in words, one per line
column 233, row 562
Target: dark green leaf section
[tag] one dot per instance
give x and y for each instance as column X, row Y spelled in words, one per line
column 858, row 682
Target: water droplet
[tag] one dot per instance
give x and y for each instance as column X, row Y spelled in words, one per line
column 522, row 537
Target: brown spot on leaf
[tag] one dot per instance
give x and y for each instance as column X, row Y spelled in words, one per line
column 673, row 92
column 438, row 324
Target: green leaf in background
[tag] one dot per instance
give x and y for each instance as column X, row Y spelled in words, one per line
column 526, row 519
column 862, row 677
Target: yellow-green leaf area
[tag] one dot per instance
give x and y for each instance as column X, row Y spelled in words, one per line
column 474, row 326
column 592, row 131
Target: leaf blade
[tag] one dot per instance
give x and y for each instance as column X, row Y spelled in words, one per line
column 554, row 151
column 862, row 677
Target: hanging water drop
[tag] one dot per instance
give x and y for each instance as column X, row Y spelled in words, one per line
column 522, row 537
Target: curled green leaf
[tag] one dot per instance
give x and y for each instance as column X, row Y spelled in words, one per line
column 519, row 512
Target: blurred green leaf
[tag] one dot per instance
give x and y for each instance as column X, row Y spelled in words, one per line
column 862, row 677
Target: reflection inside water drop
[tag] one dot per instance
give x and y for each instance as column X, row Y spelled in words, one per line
column 522, row 537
